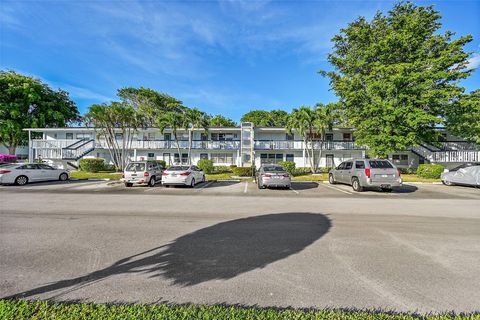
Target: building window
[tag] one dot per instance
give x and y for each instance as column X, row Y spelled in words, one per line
column 151, row 155
column 83, row 135
column 289, row 137
column 329, row 136
column 119, row 136
column 401, row 159
column 270, row 158
column 347, row 137
column 176, row 158
column 203, row 156
column 69, row 135
column 222, row 158
column 290, row 157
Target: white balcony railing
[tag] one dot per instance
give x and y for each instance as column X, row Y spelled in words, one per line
column 299, row 145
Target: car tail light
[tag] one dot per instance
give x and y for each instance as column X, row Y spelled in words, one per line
column 367, row 172
column 186, row 173
column 4, row 171
column 146, row 174
column 398, row 171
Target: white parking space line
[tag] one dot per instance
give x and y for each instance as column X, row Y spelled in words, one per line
column 294, row 190
column 246, row 187
column 205, row 184
column 338, row 189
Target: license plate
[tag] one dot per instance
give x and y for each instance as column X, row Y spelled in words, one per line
column 134, row 174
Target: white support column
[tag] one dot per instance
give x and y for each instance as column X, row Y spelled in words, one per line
column 30, row 150
column 134, row 154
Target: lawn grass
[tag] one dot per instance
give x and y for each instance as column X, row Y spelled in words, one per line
column 96, row 175
column 219, row 176
column 21, row 309
column 415, row 178
column 312, row 177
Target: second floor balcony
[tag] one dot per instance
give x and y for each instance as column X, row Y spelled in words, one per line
column 300, row 145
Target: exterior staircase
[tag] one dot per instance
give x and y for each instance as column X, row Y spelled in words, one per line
column 432, row 154
column 78, row 149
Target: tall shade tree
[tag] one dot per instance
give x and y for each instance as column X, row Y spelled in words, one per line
column 26, row 102
column 116, row 124
column 195, row 119
column 262, row 118
column 327, row 116
column 304, row 121
column 149, row 103
column 397, row 76
column 464, row 120
column 171, row 120
column 221, row 121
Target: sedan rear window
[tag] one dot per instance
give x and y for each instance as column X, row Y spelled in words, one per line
column 135, row 167
column 273, row 169
column 380, row 164
column 178, row 168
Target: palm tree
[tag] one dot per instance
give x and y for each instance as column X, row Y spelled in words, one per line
column 195, row 119
column 174, row 121
column 304, row 120
column 111, row 119
column 326, row 117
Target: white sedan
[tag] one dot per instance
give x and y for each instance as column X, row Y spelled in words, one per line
column 182, row 175
column 23, row 173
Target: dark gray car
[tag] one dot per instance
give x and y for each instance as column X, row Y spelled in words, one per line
column 467, row 174
column 366, row 173
column 272, row 175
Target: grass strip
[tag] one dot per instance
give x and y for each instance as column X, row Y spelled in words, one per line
column 22, row 309
column 96, row 175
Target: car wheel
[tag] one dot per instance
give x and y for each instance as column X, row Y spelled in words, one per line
column 386, row 189
column 331, row 180
column 447, row 183
column 128, row 184
column 192, row 184
column 63, row 177
column 356, row 185
column 21, row 180
column 152, row 181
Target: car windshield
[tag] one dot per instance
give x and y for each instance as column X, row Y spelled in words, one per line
column 380, row 164
column 135, row 167
column 178, row 168
column 273, row 169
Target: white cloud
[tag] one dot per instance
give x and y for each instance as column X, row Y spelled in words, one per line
column 474, row 61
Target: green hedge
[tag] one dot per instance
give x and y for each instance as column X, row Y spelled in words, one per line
column 222, row 169
column 206, row 165
column 288, row 165
column 407, row 170
column 430, row 171
column 244, row 171
column 92, row 164
column 22, row 310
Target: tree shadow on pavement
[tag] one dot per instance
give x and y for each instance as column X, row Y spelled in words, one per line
column 219, row 252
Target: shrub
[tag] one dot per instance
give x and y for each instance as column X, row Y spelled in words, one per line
column 430, row 171
column 92, row 164
column 206, row 165
column 109, row 167
column 288, row 165
column 244, row 171
column 222, row 169
column 407, row 170
column 301, row 171
column 162, row 163
column 233, row 166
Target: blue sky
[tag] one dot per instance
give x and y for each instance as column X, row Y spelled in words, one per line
column 225, row 57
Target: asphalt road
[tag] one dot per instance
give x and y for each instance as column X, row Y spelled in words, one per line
column 406, row 251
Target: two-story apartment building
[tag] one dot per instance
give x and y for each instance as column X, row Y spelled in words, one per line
column 242, row 146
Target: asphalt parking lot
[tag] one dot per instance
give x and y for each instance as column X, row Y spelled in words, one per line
column 249, row 188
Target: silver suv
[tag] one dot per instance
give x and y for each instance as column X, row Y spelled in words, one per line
column 366, row 173
column 142, row 173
